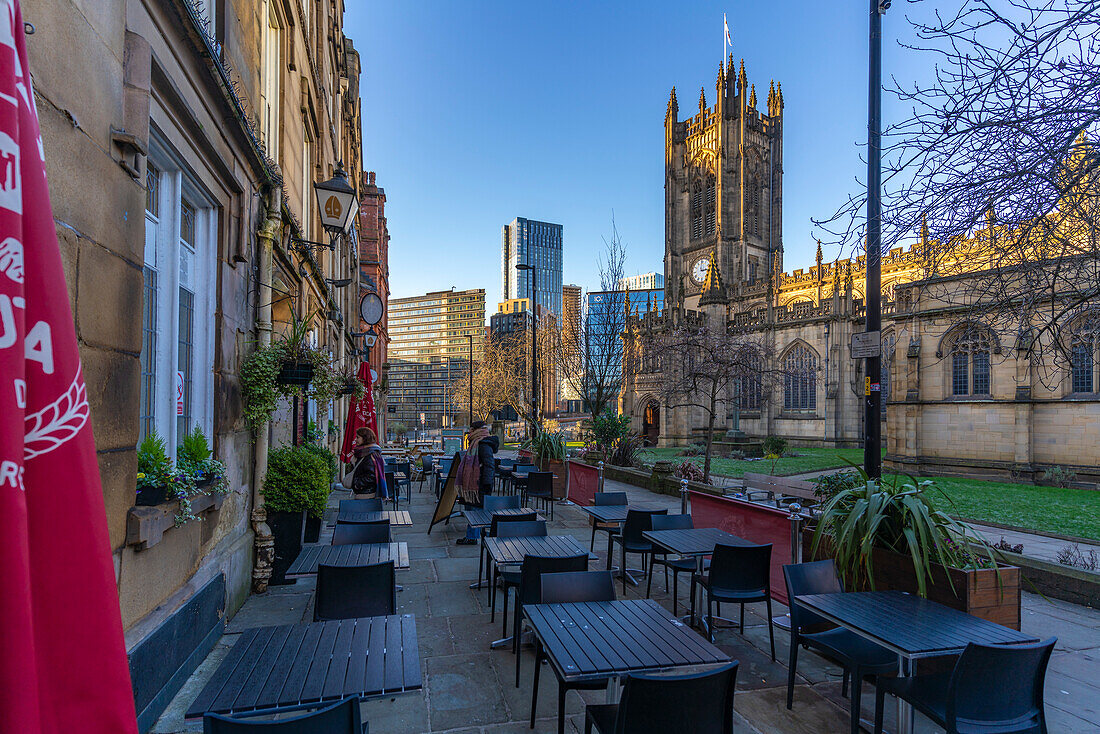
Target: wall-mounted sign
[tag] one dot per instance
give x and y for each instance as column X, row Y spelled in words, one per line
column 866, row 344
column 371, row 308
column 179, row 393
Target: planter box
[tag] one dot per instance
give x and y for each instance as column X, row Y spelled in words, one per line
column 992, row 594
column 152, row 496
column 145, row 526
column 561, row 480
column 288, row 529
column 295, row 373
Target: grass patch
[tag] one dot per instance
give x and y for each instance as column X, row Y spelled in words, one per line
column 808, row 459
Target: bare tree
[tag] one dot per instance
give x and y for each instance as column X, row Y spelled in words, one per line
column 705, row 365
column 587, row 349
column 498, row 378
column 993, row 168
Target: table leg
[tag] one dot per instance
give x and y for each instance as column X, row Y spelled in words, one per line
column 907, row 720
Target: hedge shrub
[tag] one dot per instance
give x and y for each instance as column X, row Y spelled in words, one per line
column 297, row 479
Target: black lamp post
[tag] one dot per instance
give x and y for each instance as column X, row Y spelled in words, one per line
column 534, row 346
column 872, row 429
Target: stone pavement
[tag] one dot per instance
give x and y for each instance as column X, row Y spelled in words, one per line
column 470, row 688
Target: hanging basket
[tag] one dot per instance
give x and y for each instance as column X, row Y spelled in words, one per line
column 295, row 373
column 347, row 389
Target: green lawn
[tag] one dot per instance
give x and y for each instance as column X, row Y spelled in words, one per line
column 808, row 459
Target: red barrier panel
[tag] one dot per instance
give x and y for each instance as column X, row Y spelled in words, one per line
column 755, row 523
column 584, row 482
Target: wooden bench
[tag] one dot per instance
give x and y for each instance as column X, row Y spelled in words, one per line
column 781, row 490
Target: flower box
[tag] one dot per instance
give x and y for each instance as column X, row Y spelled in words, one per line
column 152, row 496
column 295, row 373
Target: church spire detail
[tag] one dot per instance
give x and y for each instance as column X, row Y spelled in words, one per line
column 752, row 98
column 702, row 100
column 673, row 108
column 712, row 285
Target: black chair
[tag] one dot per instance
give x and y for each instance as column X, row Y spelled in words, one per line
column 391, row 482
column 494, row 522
column 993, row 688
column 427, row 470
column 739, row 574
column 514, row 526
column 630, row 540
column 341, row 717
column 371, row 505
column 346, row 592
column 502, row 467
column 540, row 487
column 611, row 528
column 529, row 590
column 403, row 477
column 652, row 703
column 568, row 588
column 441, row 475
column 494, row 502
column 857, row 656
column 361, row 532
column 676, row 565
column 520, row 484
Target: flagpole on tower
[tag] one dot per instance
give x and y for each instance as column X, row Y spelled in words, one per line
column 727, row 42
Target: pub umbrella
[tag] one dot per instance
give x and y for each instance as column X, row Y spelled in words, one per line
column 62, row 656
column 360, row 413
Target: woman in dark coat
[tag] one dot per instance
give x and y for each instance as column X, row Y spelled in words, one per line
column 485, row 446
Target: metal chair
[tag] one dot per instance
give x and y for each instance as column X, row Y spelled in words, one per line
column 611, row 528
column 395, row 493
column 676, row 565
column 427, row 470
column 494, row 502
column 341, row 717
column 567, row 588
column 518, row 484
column 441, row 475
column 993, row 688
column 857, row 656
column 540, row 487
column 739, row 574
column 346, row 592
column 403, row 477
column 371, row 505
column 653, row 703
column 631, row 540
column 529, row 590
column 506, row 526
column 347, row 533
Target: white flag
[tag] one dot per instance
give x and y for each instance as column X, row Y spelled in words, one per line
column 727, row 25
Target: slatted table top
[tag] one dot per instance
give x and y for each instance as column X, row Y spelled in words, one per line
column 510, row 551
column 396, row 517
column 612, row 513
column 290, row 666
column 364, row 554
column 692, row 541
column 907, row 624
column 479, row 517
column 594, row 640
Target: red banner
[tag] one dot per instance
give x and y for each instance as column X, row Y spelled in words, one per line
column 584, row 482
column 62, row 655
column 360, row 413
column 755, row 523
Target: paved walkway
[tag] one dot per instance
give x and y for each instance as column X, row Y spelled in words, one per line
column 469, row 688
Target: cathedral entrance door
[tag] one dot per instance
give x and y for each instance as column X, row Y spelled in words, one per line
column 651, row 424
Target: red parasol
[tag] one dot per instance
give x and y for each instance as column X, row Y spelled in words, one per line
column 360, row 413
column 63, row 666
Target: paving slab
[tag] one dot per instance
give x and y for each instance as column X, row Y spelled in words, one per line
column 463, row 690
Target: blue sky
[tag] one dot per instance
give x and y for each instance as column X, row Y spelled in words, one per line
column 477, row 112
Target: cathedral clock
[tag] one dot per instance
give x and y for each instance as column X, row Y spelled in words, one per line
column 699, row 270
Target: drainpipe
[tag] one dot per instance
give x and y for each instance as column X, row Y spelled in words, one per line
column 264, row 542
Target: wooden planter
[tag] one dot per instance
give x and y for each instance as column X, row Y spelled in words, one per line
column 992, row 594
column 295, row 373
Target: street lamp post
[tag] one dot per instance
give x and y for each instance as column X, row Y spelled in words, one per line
column 872, row 454
column 470, row 337
column 534, row 346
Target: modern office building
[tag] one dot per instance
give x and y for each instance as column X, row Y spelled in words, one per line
column 645, row 281
column 605, row 318
column 526, row 241
column 432, row 338
column 514, row 320
column 571, row 334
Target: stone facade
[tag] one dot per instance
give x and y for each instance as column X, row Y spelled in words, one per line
column 180, row 137
column 1018, row 414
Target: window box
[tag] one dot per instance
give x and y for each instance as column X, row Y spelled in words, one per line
column 152, row 496
column 295, row 373
column 146, row 525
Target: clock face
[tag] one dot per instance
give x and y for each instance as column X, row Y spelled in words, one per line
column 699, row 270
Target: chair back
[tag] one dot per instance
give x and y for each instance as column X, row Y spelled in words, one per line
column 741, row 567
column 702, row 703
column 346, row 592
column 427, row 463
column 371, row 505
column 498, row 520
column 492, row 502
column 540, row 483
column 570, row 587
column 522, row 529
column 341, row 717
column 815, row 577
column 505, row 463
column 672, row 522
column 609, row 498
column 998, row 686
column 530, row 578
column 403, row 468
column 389, row 479
column 637, row 522
column 361, row 532
column 525, row 468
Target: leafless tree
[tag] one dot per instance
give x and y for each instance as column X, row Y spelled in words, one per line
column 586, row 350
column 996, row 164
column 498, row 378
column 705, row 365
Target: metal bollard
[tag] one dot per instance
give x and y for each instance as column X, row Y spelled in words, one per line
column 796, row 531
column 683, row 496
column 600, row 485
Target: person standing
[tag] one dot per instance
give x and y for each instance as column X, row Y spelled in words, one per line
column 477, row 471
column 369, row 479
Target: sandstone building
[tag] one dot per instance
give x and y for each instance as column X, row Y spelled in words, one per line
column 960, row 395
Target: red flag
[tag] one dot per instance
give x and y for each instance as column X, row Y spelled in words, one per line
column 360, row 413
column 62, row 655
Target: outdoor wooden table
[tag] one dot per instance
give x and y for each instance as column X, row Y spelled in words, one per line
column 364, row 554
column 595, row 640
column 479, row 517
column 510, row 551
column 909, row 626
column 397, row 518
column 289, row 667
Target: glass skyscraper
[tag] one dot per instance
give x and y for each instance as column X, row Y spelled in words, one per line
column 538, row 244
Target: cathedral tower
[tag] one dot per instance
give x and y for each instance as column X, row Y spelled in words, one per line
column 724, row 188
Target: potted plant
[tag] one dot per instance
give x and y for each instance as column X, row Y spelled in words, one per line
column 195, row 457
column 154, row 469
column 296, row 484
column 548, row 450
column 889, row 534
column 313, row 523
column 297, row 363
column 601, row 432
column 347, row 378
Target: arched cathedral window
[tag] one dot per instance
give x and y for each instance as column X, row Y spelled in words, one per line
column 800, row 380
column 754, row 207
column 749, row 389
column 703, row 212
column 1084, row 345
column 970, row 363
